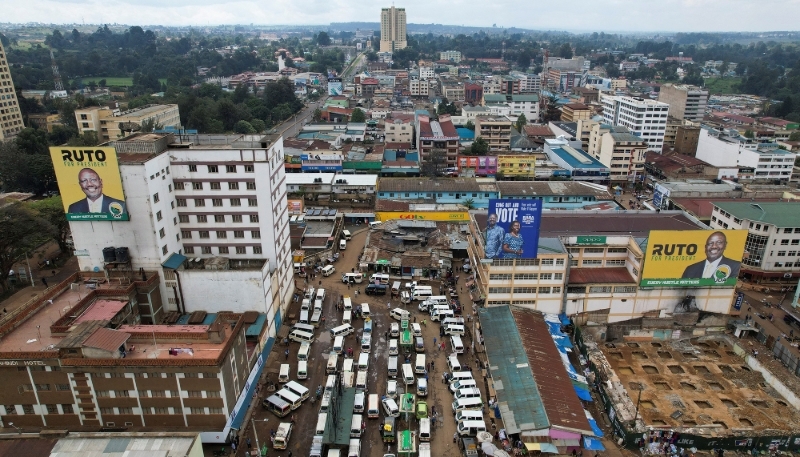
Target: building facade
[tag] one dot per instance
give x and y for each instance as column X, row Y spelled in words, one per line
column 399, row 131
column 393, row 29
column 111, row 124
column 418, row 87
column 759, row 161
column 496, row 131
column 438, row 138
column 685, row 102
column 454, row 56
column 644, row 118
column 624, row 154
column 10, row 115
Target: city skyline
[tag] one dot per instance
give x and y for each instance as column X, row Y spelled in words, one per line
column 627, row 15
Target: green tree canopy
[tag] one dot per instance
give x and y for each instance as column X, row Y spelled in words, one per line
column 521, row 122
column 244, row 127
column 52, row 210
column 21, row 231
column 358, row 116
column 479, row 147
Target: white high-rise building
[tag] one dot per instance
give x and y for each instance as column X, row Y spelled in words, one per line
column 645, row 118
column 393, row 29
column 10, row 115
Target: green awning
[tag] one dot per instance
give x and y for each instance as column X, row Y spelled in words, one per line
column 174, row 261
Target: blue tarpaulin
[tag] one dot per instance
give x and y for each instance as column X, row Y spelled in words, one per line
column 595, row 428
column 583, row 394
column 255, row 328
column 210, row 318
column 592, row 444
column 564, row 319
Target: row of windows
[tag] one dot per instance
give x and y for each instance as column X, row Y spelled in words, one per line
column 220, row 234
column 201, row 202
column 233, row 185
column 228, row 168
column 174, row 393
column 525, row 290
column 528, row 262
column 44, row 387
column 11, row 410
column 526, row 276
column 787, row 265
column 153, row 375
column 221, row 250
column 203, row 218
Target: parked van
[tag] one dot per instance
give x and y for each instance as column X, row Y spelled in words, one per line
column 408, row 374
column 460, row 376
column 379, row 278
column 437, row 300
column 283, row 373
column 322, row 420
column 463, row 384
column 361, row 381
column 425, row 429
column 390, row 407
column 372, row 406
column 305, row 305
column 330, row 383
column 289, row 397
column 467, row 403
column 309, row 293
column 302, row 352
column 442, row 314
column 376, row 289
column 317, row 447
column 342, row 330
column 419, row 364
column 456, row 344
column 393, row 346
column 282, row 436
column 338, row 344
column 469, row 392
column 342, row 245
column 363, row 362
column 425, row 450
column 453, row 364
column 347, row 317
column 454, row 329
column 375, row 225
column 434, row 309
column 368, row 326
column 301, row 336
column 366, row 343
column 348, row 379
column 391, row 388
column 352, row 278
column 355, row 426
column 305, row 318
column 394, row 330
column 334, row 453
column 277, row 405
column 422, row 387
column 347, row 365
column 469, row 415
column 392, row 366
column 365, row 310
column 452, row 321
column 416, row 329
column 316, row 317
column 328, row 270
column 348, row 303
column 325, row 403
column 419, row 344
column 302, row 369
column 470, row 428
column 358, row 402
column 304, row 327
column 405, row 297
column 355, row 448
column 399, row 314
column 298, row 389
column 320, row 295
column 421, row 294
column 333, row 363
column 396, row 287
column 346, row 235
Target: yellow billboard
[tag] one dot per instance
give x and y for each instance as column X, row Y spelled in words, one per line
column 440, row 216
column 89, row 182
column 693, row 258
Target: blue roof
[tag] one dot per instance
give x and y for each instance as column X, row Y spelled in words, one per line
column 517, row 392
column 588, row 162
column 210, row 318
column 174, row 261
column 255, row 328
column 183, row 320
column 465, row 133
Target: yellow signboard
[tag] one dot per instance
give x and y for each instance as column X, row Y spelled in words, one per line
column 89, row 182
column 439, row 216
column 693, row 258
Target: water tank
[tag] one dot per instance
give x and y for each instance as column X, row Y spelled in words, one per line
column 122, row 254
column 109, row 254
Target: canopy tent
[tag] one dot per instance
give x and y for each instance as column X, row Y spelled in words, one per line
column 550, row 448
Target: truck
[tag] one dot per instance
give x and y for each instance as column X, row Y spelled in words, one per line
column 469, row 447
column 282, row 435
column 406, row 443
column 387, row 429
column 424, row 449
column 317, row 448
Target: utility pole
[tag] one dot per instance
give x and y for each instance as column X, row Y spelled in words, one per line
column 30, row 272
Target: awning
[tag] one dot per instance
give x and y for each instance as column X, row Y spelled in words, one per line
column 367, row 215
column 595, row 428
column 549, row 448
column 592, row 444
column 562, row 435
column 583, row 394
column 174, row 261
column 564, row 319
column 533, row 446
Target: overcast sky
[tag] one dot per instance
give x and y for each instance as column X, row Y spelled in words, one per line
column 574, row 15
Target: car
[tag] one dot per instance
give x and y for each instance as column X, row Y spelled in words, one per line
column 416, row 329
column 391, row 388
column 394, row 330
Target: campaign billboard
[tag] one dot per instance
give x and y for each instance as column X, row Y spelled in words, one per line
column 693, row 258
column 512, row 229
column 90, row 183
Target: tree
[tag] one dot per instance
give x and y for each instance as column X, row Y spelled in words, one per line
column 21, row 231
column 565, row 51
column 323, row 39
column 89, row 138
column 317, row 116
column 259, row 125
column 150, row 125
column 52, row 210
column 470, row 125
column 469, row 203
column 795, row 136
column 552, row 112
column 25, row 164
column 524, row 59
column 435, row 164
column 521, row 121
column 358, row 116
column 749, row 134
column 479, row 147
column 243, row 127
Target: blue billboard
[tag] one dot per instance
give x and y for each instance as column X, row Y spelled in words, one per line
column 512, row 229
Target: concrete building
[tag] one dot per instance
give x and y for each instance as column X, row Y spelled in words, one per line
column 440, row 190
column 473, row 93
column 687, row 138
column 418, row 87
column 10, row 115
column 399, row 131
column 427, row 73
column 111, row 124
column 45, row 121
column 644, row 118
column 685, row 102
column 624, row 154
column 581, row 166
column 573, row 112
column 529, row 83
column 454, row 56
column 437, row 137
column 759, row 161
column 513, row 105
column 559, row 195
column 773, row 237
column 393, row 29
column 496, row 131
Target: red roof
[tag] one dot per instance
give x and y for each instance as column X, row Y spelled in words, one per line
column 369, row 81
column 101, row 310
column 576, row 106
column 106, row 339
column 614, row 275
column 538, row 130
column 734, row 117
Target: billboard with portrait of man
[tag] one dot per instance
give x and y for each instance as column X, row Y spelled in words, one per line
column 90, row 183
column 693, row 258
column 512, row 229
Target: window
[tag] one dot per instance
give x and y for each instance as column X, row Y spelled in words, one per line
column 593, row 250
column 241, row 250
column 546, row 277
column 155, row 198
column 238, row 233
column 576, row 290
column 526, row 276
column 216, row 201
column 197, row 185
column 179, row 186
column 106, row 410
column 587, row 262
column 222, row 234
column 251, row 185
column 195, row 394
column 63, row 387
column 233, row 186
column 499, row 290
column 236, row 202
column 625, row 289
column 547, row 262
column 237, row 218
column 143, row 393
column 558, row 276
column 257, row 250
column 192, row 167
column 125, row 410
column 206, row 249
column 183, row 218
column 186, row 234
column 524, row 290
column 215, row 410
column 42, row 387
column 158, row 393
column 216, row 186
column 560, row 262
column 198, row 410
column 162, row 233
column 213, row 169
column 599, row 289
column 545, row 290
column 249, row 169
column 121, row 393
column 102, row 393
column 615, row 263
column 252, row 202
column 204, row 234
column 230, row 168
column 189, row 249
column 199, row 202
column 784, row 242
column 219, row 218
column 617, row 250
column 556, row 290
column 254, row 218
column 223, row 250
column 255, row 234
column 181, row 201
column 160, row 410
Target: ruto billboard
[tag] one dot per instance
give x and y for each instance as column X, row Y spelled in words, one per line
column 89, row 182
column 512, row 229
column 693, row 258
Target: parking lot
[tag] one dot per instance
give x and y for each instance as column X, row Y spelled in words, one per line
column 439, row 398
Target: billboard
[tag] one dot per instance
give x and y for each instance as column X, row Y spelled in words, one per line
column 423, row 215
column 512, row 229
column 335, row 86
column 693, row 258
column 89, row 182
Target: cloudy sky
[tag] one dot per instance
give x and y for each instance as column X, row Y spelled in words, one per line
column 574, row 15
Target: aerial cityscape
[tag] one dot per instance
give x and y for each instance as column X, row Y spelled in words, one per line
column 405, row 230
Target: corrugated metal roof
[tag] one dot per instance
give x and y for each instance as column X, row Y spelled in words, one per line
column 106, row 339
column 561, row 404
column 613, row 275
column 154, row 445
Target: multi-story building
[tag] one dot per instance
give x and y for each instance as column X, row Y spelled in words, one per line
column 517, row 166
column 393, row 29
column 529, row 83
column 495, row 130
column 426, row 73
column 773, row 238
column 399, row 131
column 452, row 91
column 685, row 102
column 111, row 124
column 623, row 153
column 580, row 165
column 10, row 115
column 572, row 112
column 513, row 105
column 687, row 138
column 758, row 161
column 644, row 118
column 418, row 87
column 45, row 121
column 454, row 56
column 440, row 190
column 509, row 85
column 438, row 137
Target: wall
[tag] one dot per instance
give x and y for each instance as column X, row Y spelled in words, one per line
column 218, row 290
column 716, row 152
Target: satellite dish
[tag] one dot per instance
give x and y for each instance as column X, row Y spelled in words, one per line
column 96, row 269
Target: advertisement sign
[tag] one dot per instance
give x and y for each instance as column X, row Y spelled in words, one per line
column 90, row 184
column 591, row 240
column 693, row 258
column 660, row 196
column 737, row 305
column 334, row 86
column 443, row 216
column 512, row 229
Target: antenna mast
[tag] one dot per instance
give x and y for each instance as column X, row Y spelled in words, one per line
column 56, row 75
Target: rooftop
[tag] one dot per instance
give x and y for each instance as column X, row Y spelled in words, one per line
column 779, row 214
column 308, row 178
column 702, row 208
column 127, row 444
column 437, row 185
column 613, row 275
column 550, row 188
column 577, row 158
column 101, row 310
column 538, row 130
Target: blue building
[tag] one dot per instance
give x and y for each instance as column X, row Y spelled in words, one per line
column 582, row 166
column 440, row 190
column 321, row 162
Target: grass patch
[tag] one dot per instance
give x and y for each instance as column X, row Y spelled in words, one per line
column 124, row 81
column 723, row 85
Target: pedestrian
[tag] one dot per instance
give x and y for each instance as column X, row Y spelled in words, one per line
column 44, row 282
column 455, row 437
column 233, row 446
column 386, row 335
column 494, row 426
column 286, row 353
column 444, row 378
column 434, row 341
column 415, row 318
column 290, row 454
column 389, row 305
column 293, row 419
column 249, row 445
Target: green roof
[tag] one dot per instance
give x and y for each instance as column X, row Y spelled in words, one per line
column 779, row 214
